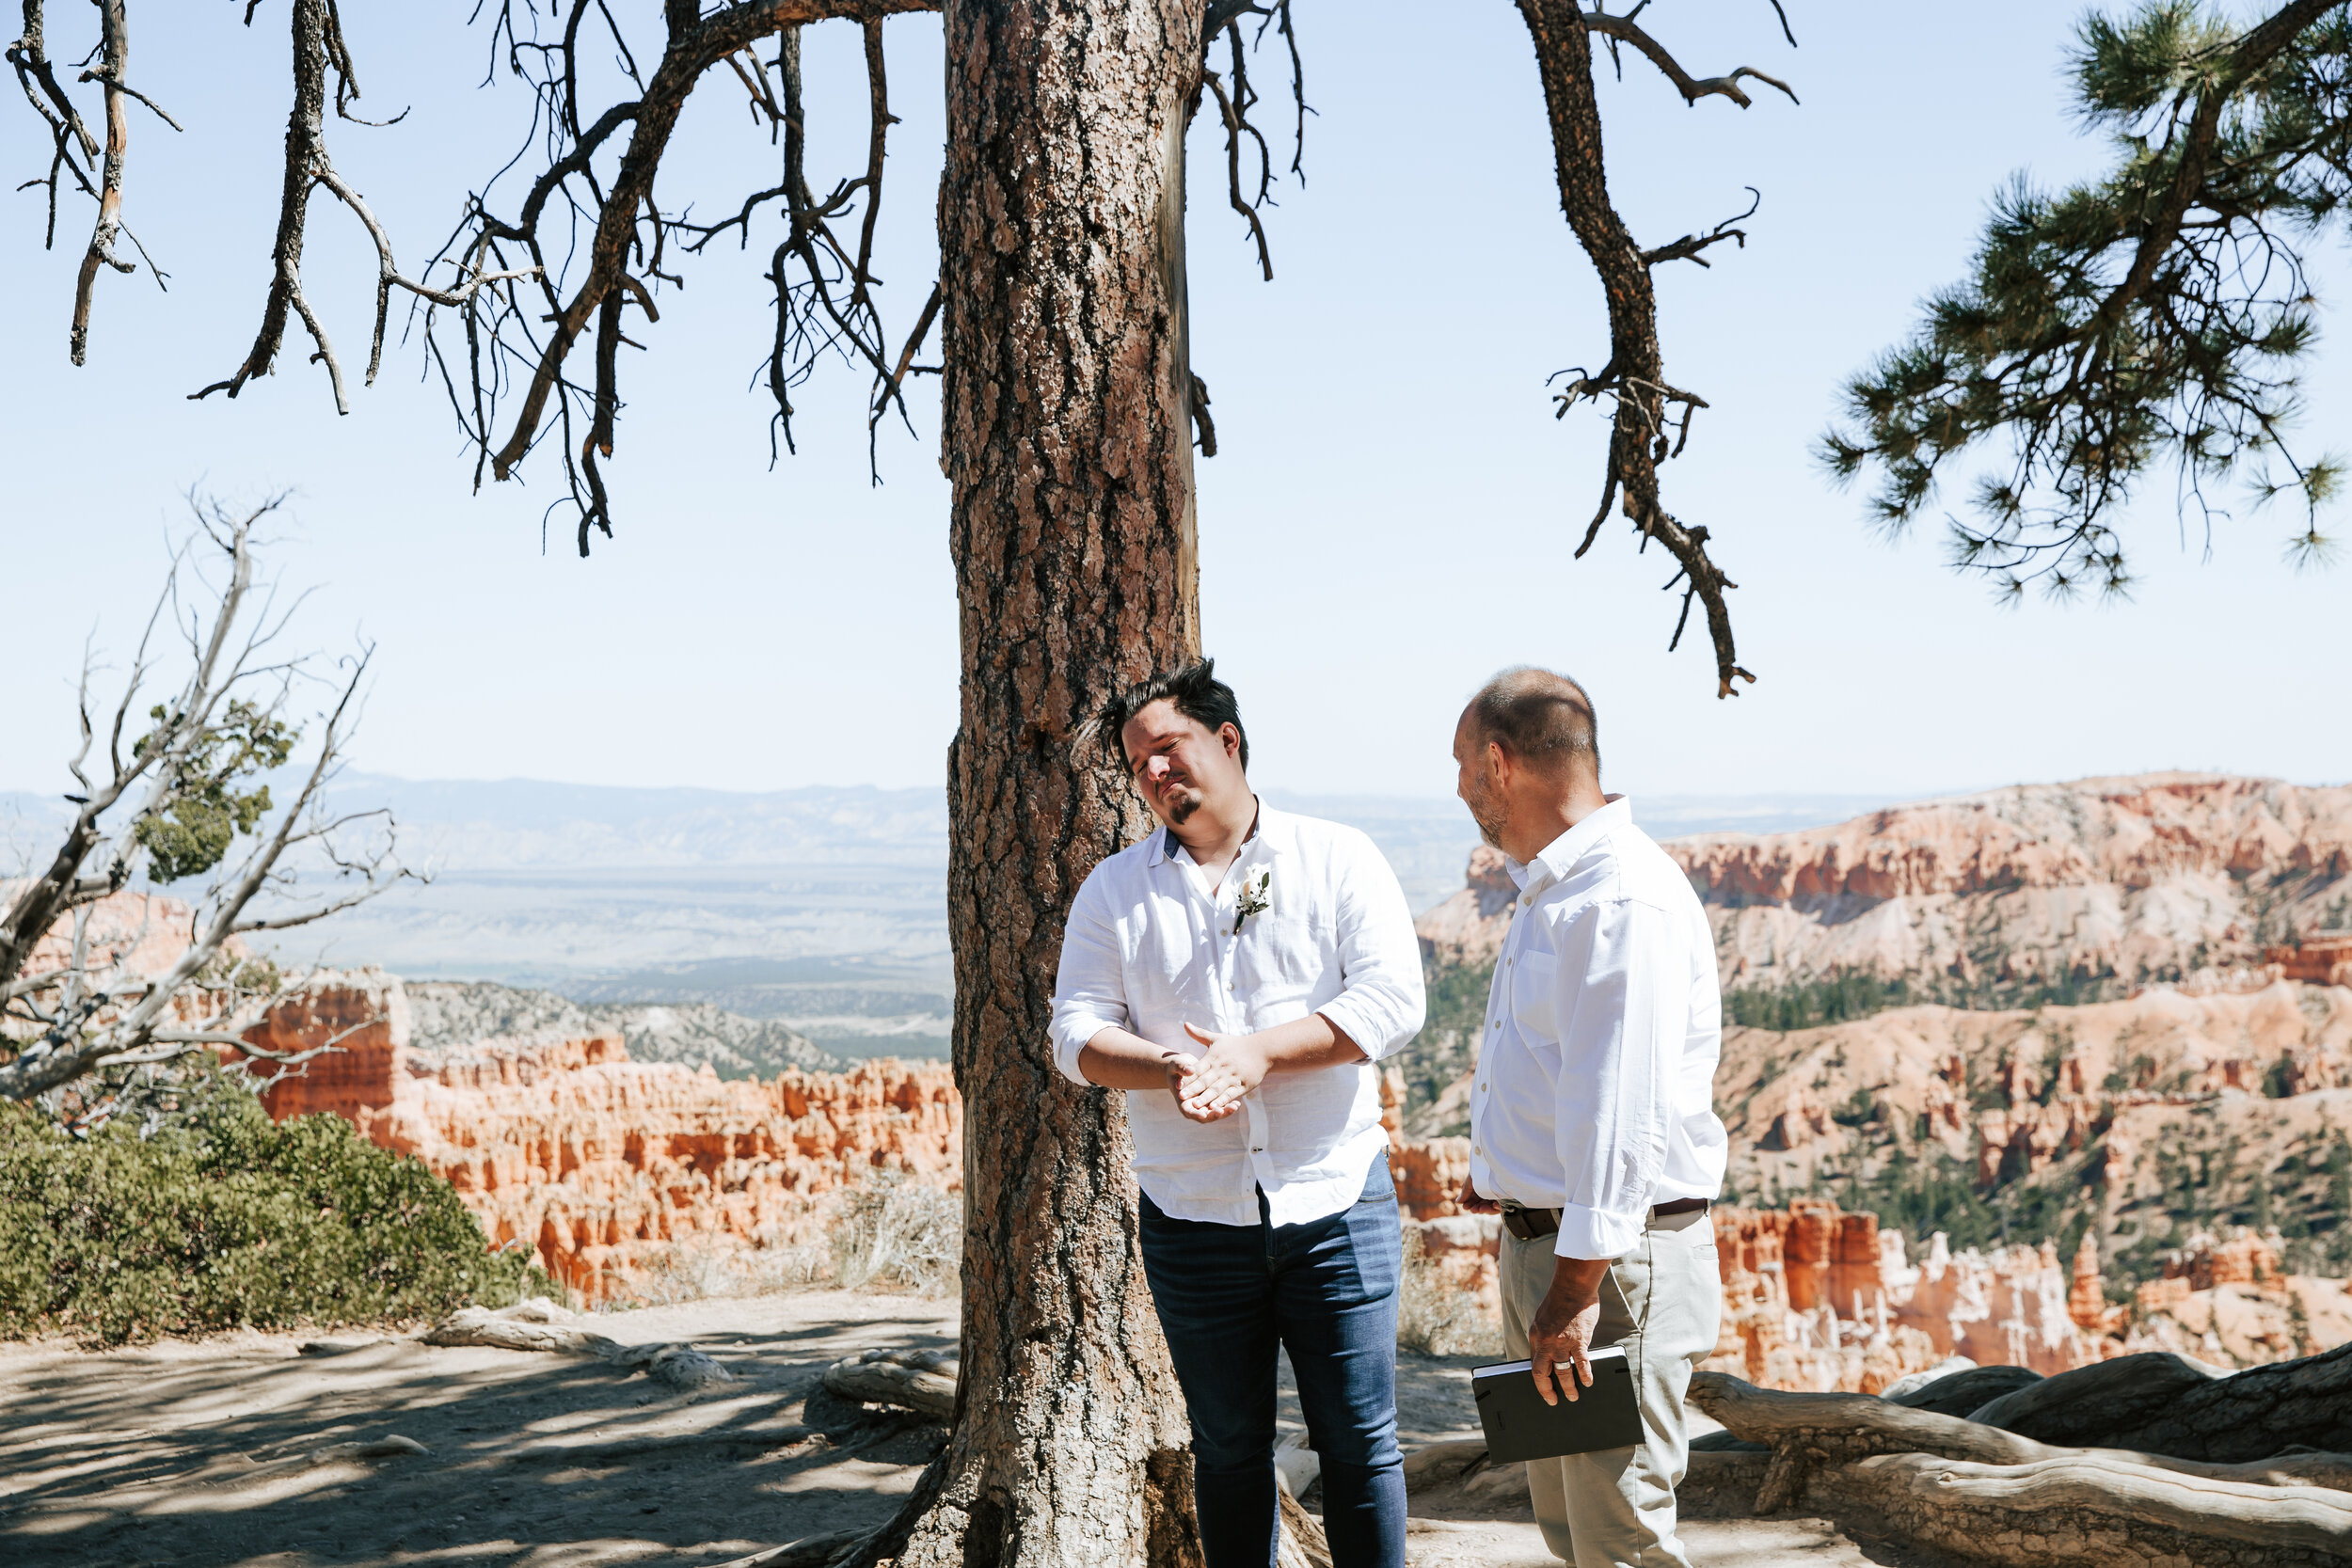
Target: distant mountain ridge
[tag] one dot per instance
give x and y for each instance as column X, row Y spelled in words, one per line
column 587, row 889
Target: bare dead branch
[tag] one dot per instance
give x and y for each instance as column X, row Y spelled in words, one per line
column 1688, row 247
column 114, row 56
column 1623, row 29
column 91, row 1005
column 1235, row 128
column 1644, row 422
column 1201, row 421
column 67, row 133
column 694, row 45
column 319, row 51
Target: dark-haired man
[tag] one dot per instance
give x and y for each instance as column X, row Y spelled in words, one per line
column 1591, row 1116
column 1238, row 973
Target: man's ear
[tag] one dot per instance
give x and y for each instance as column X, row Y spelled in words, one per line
column 1229, row 737
column 1497, row 764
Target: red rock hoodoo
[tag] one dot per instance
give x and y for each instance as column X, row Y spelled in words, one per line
column 605, row 1167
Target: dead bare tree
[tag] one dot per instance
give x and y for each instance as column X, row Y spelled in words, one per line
column 1069, row 415
column 103, row 986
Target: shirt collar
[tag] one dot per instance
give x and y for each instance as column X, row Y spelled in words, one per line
column 1554, row 861
column 1165, row 844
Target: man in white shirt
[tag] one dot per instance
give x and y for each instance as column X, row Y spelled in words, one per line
column 1592, row 1117
column 1238, row 973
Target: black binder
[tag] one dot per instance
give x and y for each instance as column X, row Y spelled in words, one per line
column 1520, row 1425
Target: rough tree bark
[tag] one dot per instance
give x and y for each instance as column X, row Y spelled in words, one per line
column 2163, row 1405
column 1066, row 435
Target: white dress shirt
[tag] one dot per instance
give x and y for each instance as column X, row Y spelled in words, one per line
column 1595, row 1093
column 1150, row 949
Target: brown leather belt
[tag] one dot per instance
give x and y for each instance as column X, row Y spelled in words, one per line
column 1530, row 1225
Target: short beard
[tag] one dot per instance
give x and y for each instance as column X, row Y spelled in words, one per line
column 1490, row 821
column 1180, row 809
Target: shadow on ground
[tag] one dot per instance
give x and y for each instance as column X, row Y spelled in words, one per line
column 222, row 1452
column 227, row 1452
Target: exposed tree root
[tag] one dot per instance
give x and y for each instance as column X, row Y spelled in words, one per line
column 1993, row 1496
column 2086, row 1512
column 2162, row 1403
column 921, row 1381
column 531, row 1325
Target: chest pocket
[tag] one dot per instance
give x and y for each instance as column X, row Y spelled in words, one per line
column 1285, row 947
column 1534, row 990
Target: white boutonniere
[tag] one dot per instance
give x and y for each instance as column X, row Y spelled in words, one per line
column 1256, row 897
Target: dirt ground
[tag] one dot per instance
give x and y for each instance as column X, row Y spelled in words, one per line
column 223, row 1451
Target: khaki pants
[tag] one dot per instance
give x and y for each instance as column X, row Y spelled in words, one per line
column 1662, row 1303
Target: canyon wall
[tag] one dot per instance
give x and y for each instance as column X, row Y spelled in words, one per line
column 2119, row 881
column 126, row 937
column 606, row 1168
column 2125, row 880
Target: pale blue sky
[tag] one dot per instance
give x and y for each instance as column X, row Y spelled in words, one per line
column 1393, row 513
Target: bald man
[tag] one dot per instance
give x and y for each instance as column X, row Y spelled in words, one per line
column 1591, row 1120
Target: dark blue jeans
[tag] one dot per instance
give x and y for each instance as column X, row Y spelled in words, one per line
column 1326, row 1292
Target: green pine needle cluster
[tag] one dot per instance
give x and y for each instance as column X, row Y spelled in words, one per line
column 189, row 832
column 2157, row 316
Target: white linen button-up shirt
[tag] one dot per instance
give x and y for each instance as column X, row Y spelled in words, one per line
column 1150, row 949
column 1595, row 1092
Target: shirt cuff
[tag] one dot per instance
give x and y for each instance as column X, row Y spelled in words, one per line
column 1071, row 1034
column 1375, row 1034
column 1595, row 1233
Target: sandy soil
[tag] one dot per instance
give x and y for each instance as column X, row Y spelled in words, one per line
column 220, row 1453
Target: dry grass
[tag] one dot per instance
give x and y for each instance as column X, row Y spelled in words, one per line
column 896, row 1231
column 698, row 1271
column 1434, row 1317
column 891, row 1233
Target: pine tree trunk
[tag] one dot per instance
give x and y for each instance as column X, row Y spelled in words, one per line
column 1066, row 437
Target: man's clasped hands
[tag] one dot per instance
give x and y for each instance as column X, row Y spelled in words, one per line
column 1210, row 1087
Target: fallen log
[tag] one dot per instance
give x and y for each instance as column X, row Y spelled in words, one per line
column 1722, row 1483
column 2084, row 1405
column 1806, row 1431
column 2163, row 1403
column 2086, row 1512
column 528, row 1327
column 1300, row 1543
column 1965, row 1393
column 923, row 1381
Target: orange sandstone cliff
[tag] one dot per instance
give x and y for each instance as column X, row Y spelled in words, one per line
column 604, row 1166
column 2112, row 882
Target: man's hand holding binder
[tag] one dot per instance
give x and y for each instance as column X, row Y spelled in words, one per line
column 1560, row 1338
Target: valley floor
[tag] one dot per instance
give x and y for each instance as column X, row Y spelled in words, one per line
column 221, row 1453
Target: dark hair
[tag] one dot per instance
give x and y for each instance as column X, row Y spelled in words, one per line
column 1539, row 717
column 1198, row 694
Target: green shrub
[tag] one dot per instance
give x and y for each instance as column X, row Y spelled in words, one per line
column 221, row 1218
column 1813, row 1003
